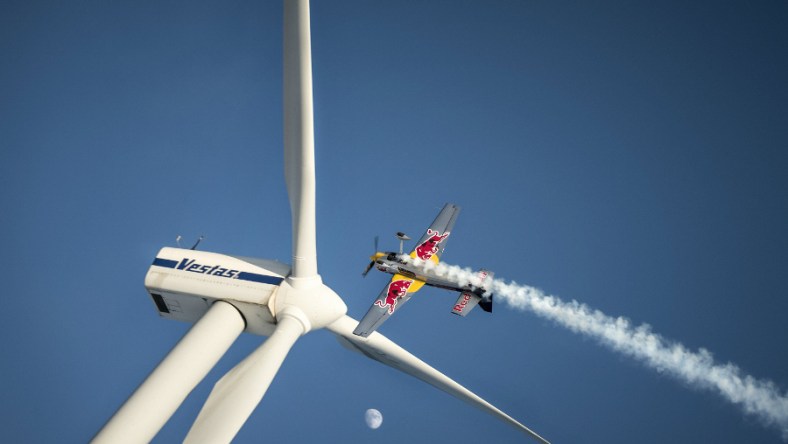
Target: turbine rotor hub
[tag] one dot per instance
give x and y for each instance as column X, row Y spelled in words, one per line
column 309, row 301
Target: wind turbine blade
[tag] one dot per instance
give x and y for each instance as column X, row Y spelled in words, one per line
column 299, row 140
column 239, row 391
column 381, row 349
column 141, row 417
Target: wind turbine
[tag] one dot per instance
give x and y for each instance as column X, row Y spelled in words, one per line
column 231, row 295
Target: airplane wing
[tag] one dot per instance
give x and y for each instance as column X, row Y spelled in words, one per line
column 381, row 349
column 434, row 240
column 393, row 296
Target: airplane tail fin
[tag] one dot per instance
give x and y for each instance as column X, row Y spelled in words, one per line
column 465, row 303
column 487, row 298
column 486, row 303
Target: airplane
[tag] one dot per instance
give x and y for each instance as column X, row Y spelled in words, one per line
column 410, row 275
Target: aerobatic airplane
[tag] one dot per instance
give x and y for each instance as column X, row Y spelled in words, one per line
column 409, row 277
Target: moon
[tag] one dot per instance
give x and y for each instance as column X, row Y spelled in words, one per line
column 373, row 418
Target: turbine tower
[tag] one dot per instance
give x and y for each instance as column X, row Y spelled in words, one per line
column 226, row 295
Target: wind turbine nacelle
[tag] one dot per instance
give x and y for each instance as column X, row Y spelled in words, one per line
column 183, row 285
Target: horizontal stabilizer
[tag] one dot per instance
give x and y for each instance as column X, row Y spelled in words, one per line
column 465, row 303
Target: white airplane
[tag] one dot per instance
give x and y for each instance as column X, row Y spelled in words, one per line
column 409, row 277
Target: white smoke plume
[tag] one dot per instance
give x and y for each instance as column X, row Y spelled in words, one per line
column 761, row 398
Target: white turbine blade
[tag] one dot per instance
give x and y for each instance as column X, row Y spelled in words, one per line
column 153, row 403
column 380, row 348
column 239, row 391
column 299, row 140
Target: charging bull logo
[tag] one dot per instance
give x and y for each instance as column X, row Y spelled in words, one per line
column 430, row 246
column 395, row 290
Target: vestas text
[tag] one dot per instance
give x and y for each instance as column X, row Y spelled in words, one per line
column 187, row 264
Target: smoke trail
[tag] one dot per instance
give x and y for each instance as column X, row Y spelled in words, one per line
column 761, row 398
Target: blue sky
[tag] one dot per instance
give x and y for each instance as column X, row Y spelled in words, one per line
column 629, row 156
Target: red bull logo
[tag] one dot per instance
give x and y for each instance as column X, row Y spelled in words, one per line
column 461, row 306
column 430, row 246
column 482, row 277
column 395, row 290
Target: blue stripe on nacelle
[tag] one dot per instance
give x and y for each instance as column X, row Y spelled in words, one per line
column 165, row 263
column 263, row 279
column 244, row 275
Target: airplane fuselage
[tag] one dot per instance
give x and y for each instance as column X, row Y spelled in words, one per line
column 392, row 263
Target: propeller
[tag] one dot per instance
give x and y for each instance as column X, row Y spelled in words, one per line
column 302, row 302
column 372, row 258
